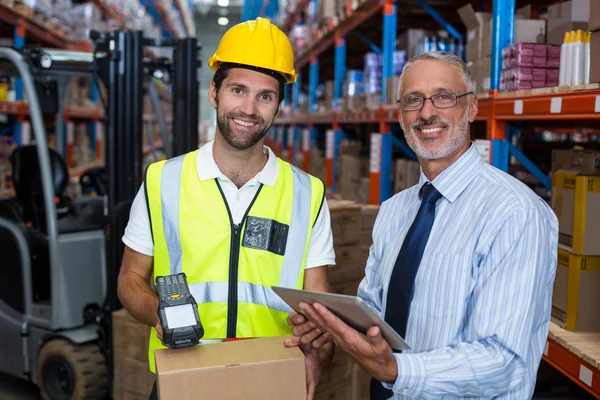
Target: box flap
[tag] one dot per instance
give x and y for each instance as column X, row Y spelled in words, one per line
column 523, row 12
column 240, row 352
column 470, row 18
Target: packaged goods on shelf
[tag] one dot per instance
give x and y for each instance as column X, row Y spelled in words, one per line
column 567, row 16
column 42, row 6
column 354, row 90
column 575, row 59
column 529, row 66
column 85, row 18
column 474, row 21
column 576, row 202
column 299, row 36
column 576, row 292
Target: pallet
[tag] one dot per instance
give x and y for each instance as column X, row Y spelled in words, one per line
column 585, row 345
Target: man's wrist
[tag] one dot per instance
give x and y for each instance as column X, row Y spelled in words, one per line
column 391, row 370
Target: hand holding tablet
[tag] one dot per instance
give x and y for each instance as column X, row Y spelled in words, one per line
column 350, row 309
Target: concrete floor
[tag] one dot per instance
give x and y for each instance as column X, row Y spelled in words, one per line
column 14, row 389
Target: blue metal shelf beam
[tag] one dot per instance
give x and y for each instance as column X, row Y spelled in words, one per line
column 403, row 147
column 369, row 43
column 440, row 20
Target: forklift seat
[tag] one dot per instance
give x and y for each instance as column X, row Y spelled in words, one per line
column 72, row 216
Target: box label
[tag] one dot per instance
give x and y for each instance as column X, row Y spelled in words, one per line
column 585, row 375
column 306, row 140
column 518, row 107
column 329, row 144
column 375, row 159
column 485, row 149
column 556, row 105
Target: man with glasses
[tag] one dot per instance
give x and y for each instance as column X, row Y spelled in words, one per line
column 462, row 265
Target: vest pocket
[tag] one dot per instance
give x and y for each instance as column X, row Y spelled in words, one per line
column 265, row 234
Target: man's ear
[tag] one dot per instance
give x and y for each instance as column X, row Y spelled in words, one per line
column 473, row 108
column 212, row 94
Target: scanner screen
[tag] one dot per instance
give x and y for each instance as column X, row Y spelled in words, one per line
column 180, row 316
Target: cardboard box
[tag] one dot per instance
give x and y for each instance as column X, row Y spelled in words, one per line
column 361, row 383
column 595, row 57
column 567, row 16
column 474, row 21
column 409, row 40
column 345, row 221
column 594, row 20
column 350, row 262
column 576, row 292
column 561, row 158
column 525, row 31
column 576, row 202
column 137, row 377
column 391, row 91
column 255, row 369
column 407, row 174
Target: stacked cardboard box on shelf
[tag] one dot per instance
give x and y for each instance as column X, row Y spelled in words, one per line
column 479, row 39
column 353, row 173
column 567, row 16
column 576, row 202
column 352, row 224
column 132, row 379
column 406, row 174
column 594, row 27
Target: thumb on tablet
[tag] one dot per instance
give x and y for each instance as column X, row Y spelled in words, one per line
column 374, row 333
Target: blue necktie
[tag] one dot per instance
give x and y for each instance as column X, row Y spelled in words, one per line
column 400, row 290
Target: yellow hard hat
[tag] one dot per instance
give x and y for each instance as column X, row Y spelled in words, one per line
column 256, row 43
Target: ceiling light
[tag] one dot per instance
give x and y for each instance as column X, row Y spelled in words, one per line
column 223, row 21
column 223, row 3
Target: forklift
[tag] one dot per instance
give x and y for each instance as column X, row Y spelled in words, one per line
column 61, row 256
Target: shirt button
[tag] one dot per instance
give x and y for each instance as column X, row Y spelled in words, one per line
column 404, row 391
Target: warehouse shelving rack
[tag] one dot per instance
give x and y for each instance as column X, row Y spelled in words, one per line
column 502, row 114
column 497, row 110
column 28, row 27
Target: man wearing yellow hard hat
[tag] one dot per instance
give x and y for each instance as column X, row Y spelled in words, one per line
column 231, row 215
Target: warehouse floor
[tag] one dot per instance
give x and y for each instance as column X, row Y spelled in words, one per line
column 14, row 389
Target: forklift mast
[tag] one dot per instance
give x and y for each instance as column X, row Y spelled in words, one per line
column 123, row 72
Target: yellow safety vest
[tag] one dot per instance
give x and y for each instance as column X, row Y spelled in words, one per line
column 230, row 268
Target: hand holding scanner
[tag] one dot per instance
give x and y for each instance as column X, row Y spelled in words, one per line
column 178, row 312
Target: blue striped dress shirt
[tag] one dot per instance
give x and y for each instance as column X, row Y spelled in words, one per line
column 480, row 313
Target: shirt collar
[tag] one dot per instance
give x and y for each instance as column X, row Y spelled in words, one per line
column 208, row 168
column 455, row 179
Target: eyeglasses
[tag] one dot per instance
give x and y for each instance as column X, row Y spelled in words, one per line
column 440, row 100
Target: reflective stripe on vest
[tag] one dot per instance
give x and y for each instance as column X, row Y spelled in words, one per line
column 170, row 184
column 216, row 292
column 298, row 231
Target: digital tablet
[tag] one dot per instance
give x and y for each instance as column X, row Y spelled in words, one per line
column 350, row 309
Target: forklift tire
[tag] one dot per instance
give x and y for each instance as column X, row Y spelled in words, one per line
column 67, row 371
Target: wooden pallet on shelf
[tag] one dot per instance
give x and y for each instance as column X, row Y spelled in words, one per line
column 577, row 355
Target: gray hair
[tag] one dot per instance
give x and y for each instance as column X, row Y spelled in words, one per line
column 445, row 57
